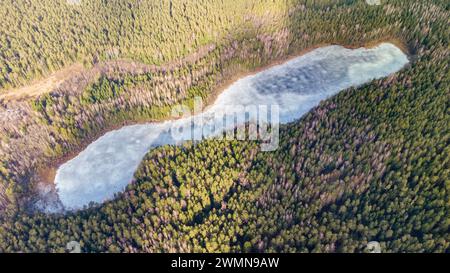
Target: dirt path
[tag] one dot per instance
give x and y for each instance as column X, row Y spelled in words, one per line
column 53, row 81
column 71, row 72
column 42, row 86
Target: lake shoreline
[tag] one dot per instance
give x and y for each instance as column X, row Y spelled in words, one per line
column 47, row 174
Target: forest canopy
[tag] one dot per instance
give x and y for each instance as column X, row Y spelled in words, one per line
column 370, row 164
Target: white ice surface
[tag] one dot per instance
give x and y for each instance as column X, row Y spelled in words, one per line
column 107, row 165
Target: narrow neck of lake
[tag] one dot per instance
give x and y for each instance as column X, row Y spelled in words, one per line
column 284, row 92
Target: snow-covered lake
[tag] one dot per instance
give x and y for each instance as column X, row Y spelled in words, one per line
column 107, row 165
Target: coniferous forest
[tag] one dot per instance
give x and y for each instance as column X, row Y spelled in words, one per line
column 369, row 164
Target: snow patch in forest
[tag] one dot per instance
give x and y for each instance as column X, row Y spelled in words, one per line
column 107, row 165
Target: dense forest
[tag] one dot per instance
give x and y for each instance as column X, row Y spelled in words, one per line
column 39, row 37
column 372, row 163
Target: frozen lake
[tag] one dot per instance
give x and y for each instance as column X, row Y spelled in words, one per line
column 107, row 165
